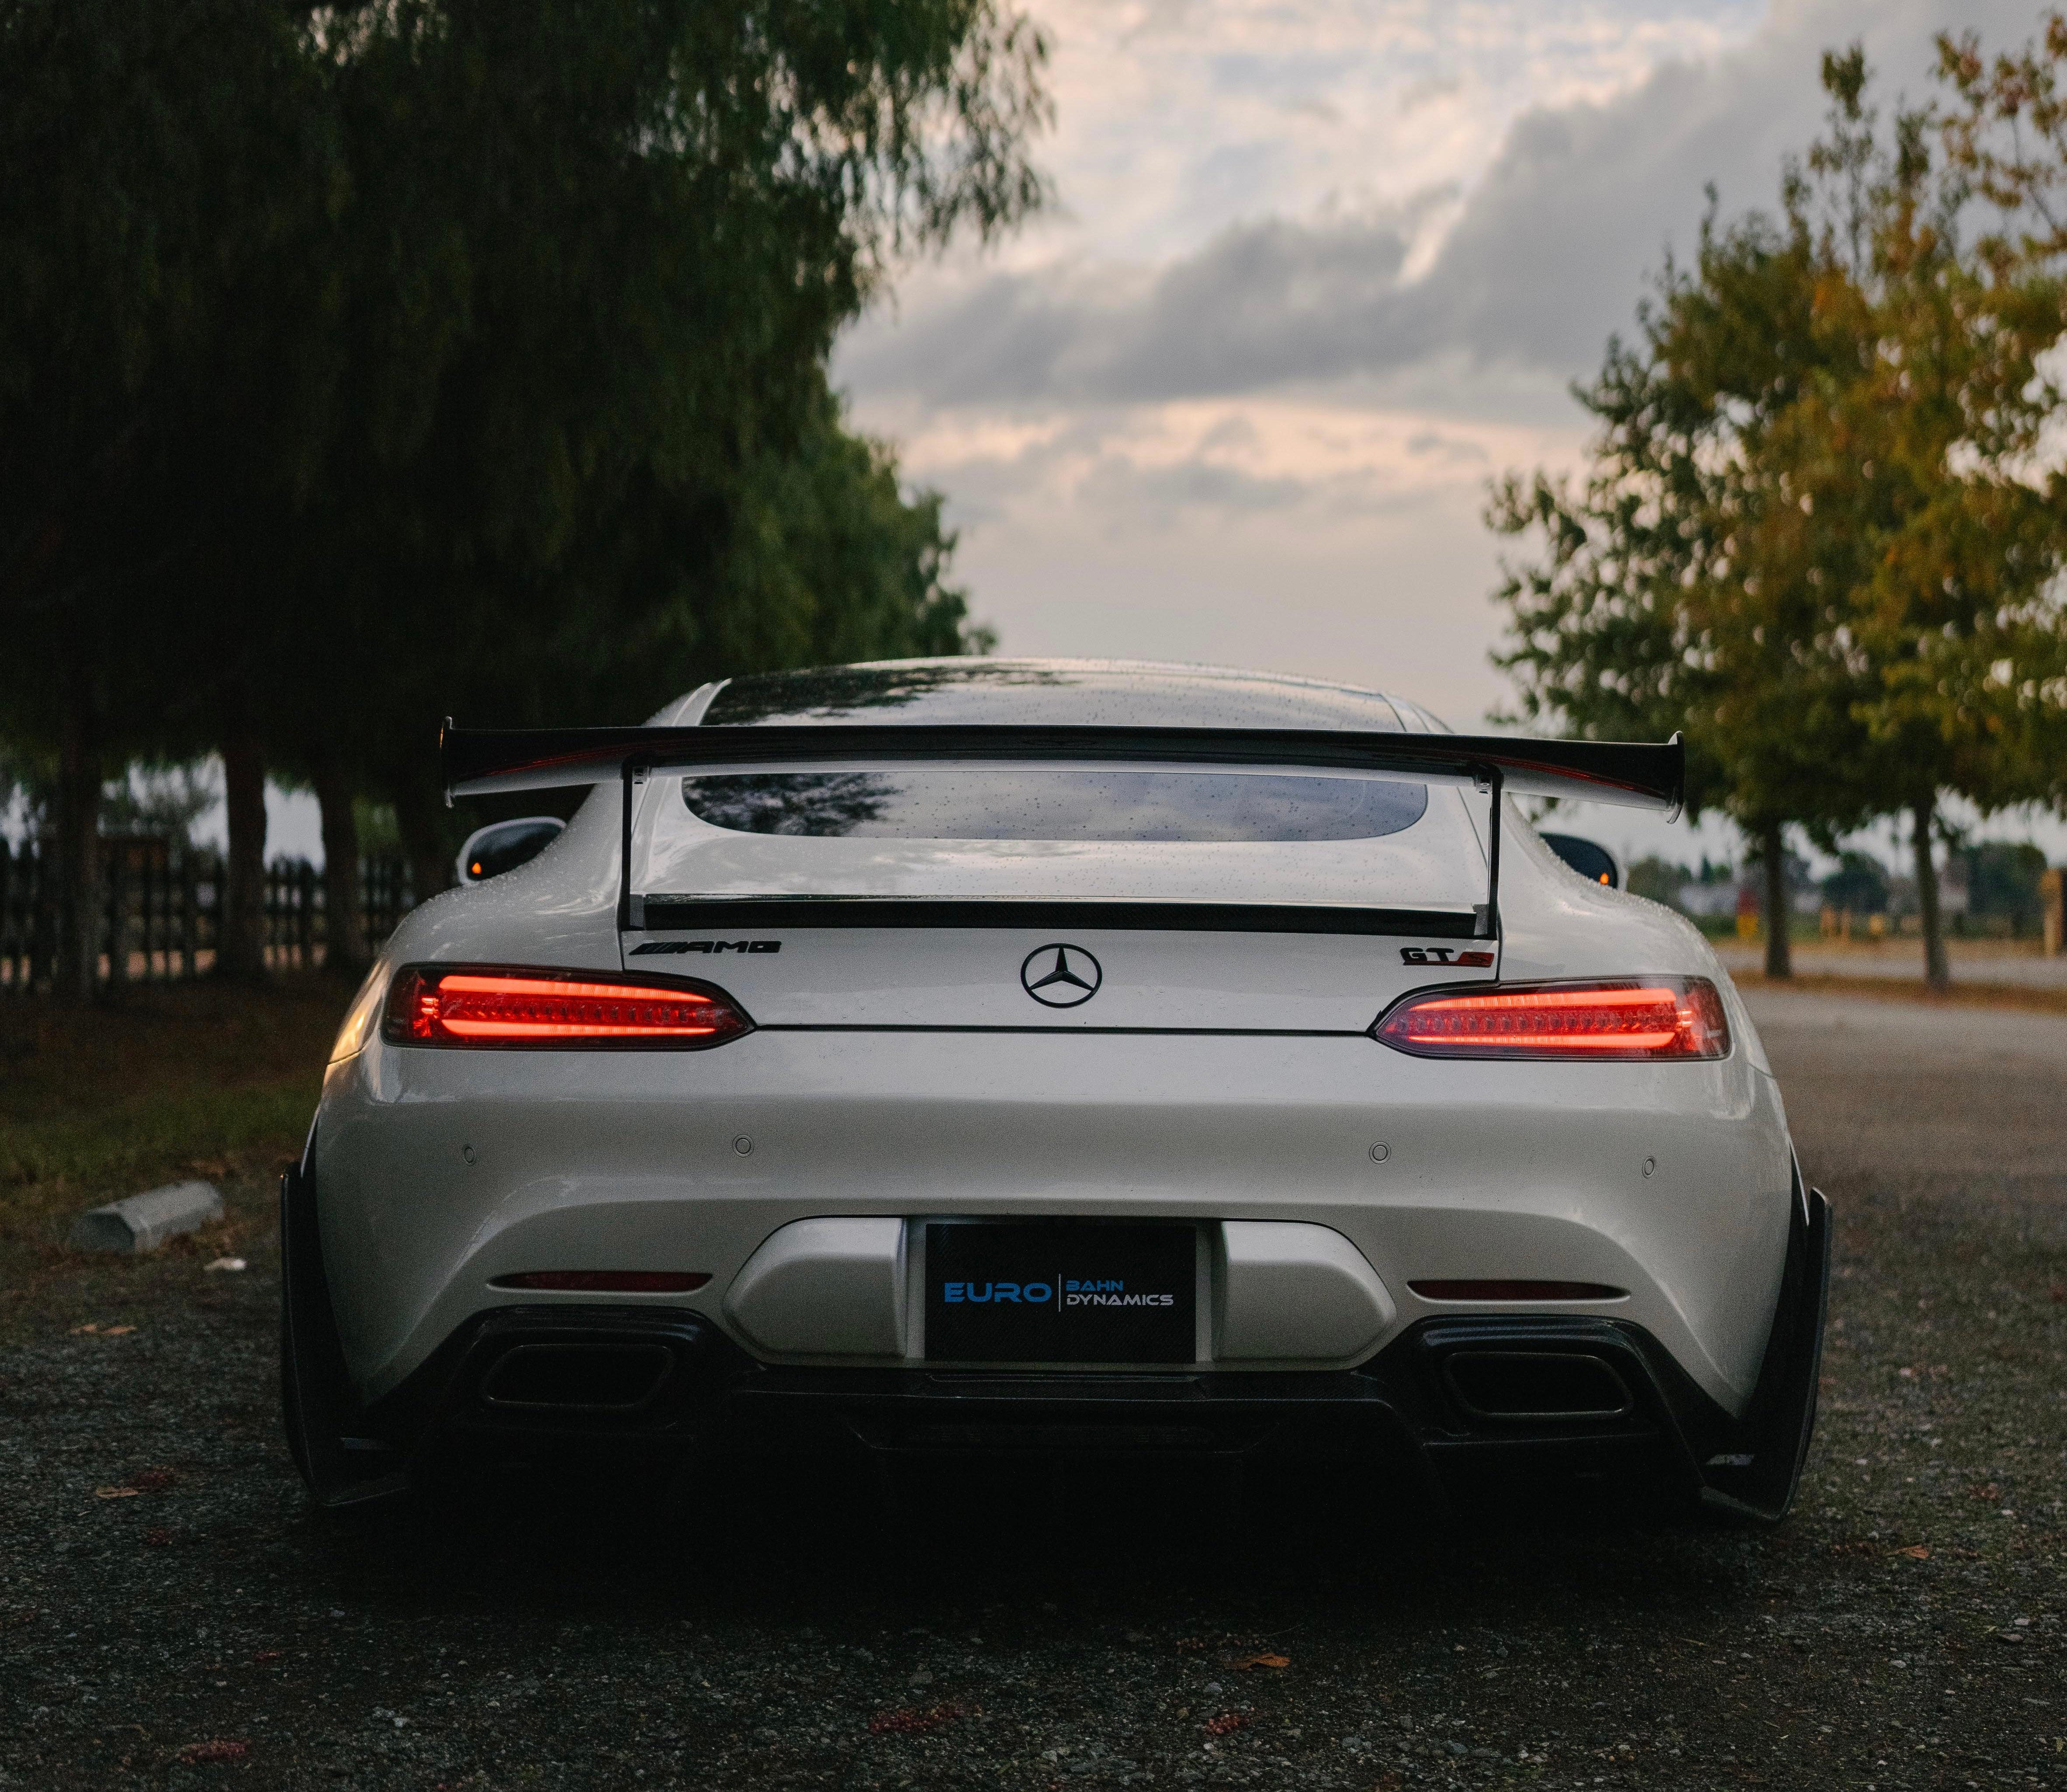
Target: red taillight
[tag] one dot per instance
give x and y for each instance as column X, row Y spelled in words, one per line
column 605, row 1281
column 1516, row 1291
column 430, row 1004
column 1643, row 1018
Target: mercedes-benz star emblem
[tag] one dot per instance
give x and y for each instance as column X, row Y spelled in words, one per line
column 1061, row 976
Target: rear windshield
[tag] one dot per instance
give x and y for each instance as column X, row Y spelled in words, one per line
column 1103, row 805
column 978, row 690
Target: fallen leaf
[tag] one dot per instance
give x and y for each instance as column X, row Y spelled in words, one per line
column 154, row 1480
column 202, row 1754
column 269, row 1655
column 77, row 1329
column 1984, row 1489
column 230, row 1263
column 1241, row 1664
column 1916, row 1552
column 116, row 1492
column 1227, row 1723
column 117, row 1331
column 905, row 1721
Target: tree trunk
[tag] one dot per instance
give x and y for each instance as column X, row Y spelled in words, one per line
column 1937, row 971
column 241, row 949
column 1778, row 943
column 77, row 969
column 423, row 841
column 344, row 928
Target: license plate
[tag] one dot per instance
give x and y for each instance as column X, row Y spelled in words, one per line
column 1060, row 1291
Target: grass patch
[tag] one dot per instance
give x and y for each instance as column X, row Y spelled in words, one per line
column 168, row 1081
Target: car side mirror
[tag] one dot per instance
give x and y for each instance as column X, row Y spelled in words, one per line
column 1595, row 863
column 503, row 846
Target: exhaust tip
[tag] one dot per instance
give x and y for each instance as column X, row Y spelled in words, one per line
column 578, row 1377
column 1536, row 1386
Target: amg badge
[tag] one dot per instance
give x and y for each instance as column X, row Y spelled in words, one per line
column 712, row 946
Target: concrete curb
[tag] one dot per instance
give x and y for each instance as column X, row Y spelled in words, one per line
column 143, row 1222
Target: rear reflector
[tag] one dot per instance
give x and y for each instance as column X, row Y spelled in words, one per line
column 1516, row 1291
column 430, row 1004
column 605, row 1281
column 1624, row 1018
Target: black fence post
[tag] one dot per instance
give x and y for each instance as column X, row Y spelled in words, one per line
column 207, row 907
column 306, row 918
column 189, row 915
column 43, row 928
column 114, row 911
column 11, row 972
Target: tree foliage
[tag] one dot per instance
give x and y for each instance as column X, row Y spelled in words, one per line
column 366, row 363
column 1819, row 531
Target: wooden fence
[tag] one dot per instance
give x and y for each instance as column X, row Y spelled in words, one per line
column 161, row 910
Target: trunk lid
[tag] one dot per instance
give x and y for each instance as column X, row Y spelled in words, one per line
column 873, row 930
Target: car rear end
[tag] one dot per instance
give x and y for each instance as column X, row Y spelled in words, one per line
column 1048, row 1110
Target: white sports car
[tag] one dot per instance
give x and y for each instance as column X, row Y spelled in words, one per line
column 1060, row 1056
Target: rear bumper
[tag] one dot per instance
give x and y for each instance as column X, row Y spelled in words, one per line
column 1446, row 1403
column 443, row 1173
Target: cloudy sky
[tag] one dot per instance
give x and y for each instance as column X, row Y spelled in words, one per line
column 1318, row 270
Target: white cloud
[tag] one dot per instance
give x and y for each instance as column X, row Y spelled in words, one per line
column 1323, row 268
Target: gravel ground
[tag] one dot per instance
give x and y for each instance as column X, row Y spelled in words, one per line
column 172, row 1614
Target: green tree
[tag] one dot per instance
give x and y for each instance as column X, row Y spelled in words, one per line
column 1678, row 581
column 1815, row 530
column 161, row 165
column 1926, row 454
column 1659, row 879
column 362, row 365
column 2002, row 879
column 583, row 435
column 1860, row 883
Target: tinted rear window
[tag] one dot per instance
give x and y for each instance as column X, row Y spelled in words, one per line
column 1105, row 805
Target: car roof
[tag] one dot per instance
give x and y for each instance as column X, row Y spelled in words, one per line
column 981, row 689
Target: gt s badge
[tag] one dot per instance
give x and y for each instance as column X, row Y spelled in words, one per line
column 1442, row 954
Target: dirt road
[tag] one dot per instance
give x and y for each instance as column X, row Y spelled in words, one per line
column 172, row 1614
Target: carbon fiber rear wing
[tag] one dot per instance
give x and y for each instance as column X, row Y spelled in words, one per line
column 486, row 761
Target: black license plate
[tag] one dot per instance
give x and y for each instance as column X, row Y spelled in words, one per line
column 1060, row 1291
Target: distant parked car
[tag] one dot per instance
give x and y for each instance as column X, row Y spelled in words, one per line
column 1052, row 1054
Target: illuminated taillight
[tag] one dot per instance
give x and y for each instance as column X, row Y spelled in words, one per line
column 470, row 1004
column 1616, row 1020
